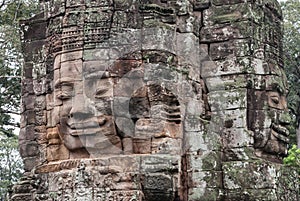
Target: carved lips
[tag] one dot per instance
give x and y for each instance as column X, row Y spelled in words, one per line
column 87, row 126
column 280, row 132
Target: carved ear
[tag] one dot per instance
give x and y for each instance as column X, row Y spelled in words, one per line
column 60, row 133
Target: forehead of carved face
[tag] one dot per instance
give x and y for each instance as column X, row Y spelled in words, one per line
column 268, row 116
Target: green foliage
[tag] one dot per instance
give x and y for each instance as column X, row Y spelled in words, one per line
column 11, row 11
column 291, row 46
column 11, row 60
column 11, row 164
column 293, row 158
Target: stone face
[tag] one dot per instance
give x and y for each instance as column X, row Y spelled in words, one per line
column 154, row 100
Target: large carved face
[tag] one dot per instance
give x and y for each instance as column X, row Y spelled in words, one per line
column 120, row 107
column 268, row 116
column 85, row 119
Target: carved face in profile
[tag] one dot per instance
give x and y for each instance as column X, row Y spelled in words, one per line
column 268, row 117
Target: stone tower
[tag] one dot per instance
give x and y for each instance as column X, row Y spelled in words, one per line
column 154, row 100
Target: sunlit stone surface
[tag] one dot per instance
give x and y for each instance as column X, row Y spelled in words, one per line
column 154, row 100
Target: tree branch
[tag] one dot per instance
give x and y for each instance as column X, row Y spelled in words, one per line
column 2, row 4
column 10, row 112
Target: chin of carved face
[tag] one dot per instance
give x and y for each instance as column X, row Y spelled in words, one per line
column 89, row 133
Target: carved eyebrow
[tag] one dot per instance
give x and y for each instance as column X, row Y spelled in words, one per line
column 278, row 88
column 64, row 81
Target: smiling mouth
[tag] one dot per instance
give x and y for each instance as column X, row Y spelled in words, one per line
column 280, row 132
column 87, row 126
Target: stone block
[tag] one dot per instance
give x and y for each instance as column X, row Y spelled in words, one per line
column 41, row 134
column 234, row 118
column 227, row 99
column 228, row 31
column 236, row 12
column 41, row 117
column 126, row 87
column 127, row 19
column 29, row 117
column 229, row 49
column 57, row 152
column 209, row 179
column 166, row 146
column 127, row 145
column 188, row 91
column 159, row 73
column 27, row 70
column 154, row 195
column 238, row 154
column 39, row 86
column 30, row 163
column 28, row 149
column 40, row 103
column 237, row 137
column 252, row 194
column 141, row 145
column 200, row 5
column 27, row 133
column 27, row 86
column 126, row 67
column 32, row 50
column 212, row 137
column 228, row 82
column 204, row 161
column 187, row 49
column 53, row 117
column 121, row 107
column 190, row 23
column 205, row 194
column 125, row 126
column 28, row 102
column 159, row 38
column 194, row 142
column 159, row 163
column 158, row 182
column 249, row 175
column 71, row 69
column 193, row 124
column 125, row 163
column 226, row 2
column 225, row 67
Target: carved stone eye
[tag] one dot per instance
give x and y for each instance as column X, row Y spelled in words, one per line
column 63, row 96
column 275, row 99
column 100, row 92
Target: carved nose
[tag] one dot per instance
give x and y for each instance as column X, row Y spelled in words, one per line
column 80, row 107
column 284, row 118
